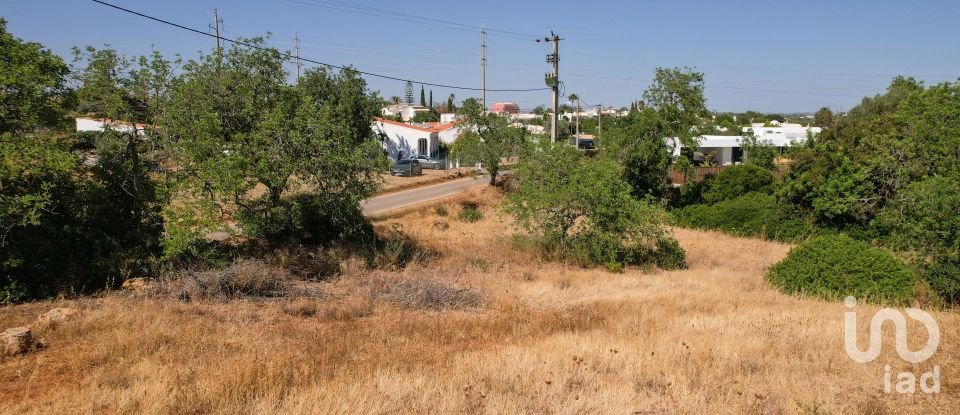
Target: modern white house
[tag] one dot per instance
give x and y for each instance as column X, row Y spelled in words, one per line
column 404, row 111
column 726, row 149
column 100, row 124
column 402, row 140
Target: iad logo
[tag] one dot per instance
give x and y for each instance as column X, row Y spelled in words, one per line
column 906, row 381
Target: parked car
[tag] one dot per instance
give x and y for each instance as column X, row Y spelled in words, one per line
column 428, row 162
column 407, row 167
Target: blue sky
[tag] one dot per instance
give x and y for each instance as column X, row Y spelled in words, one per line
column 763, row 56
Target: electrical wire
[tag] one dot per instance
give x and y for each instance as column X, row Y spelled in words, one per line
column 406, row 17
column 289, row 56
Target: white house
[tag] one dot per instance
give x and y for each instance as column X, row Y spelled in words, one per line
column 782, row 133
column 727, row 148
column 404, row 111
column 402, row 140
column 100, row 124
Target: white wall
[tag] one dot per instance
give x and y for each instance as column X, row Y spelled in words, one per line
column 404, row 141
column 89, row 124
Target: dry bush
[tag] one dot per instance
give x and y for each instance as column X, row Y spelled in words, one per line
column 243, row 278
column 309, row 263
column 398, row 250
column 426, row 294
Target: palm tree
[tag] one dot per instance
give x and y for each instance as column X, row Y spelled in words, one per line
column 395, row 99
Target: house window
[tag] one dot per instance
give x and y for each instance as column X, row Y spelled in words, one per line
column 422, row 146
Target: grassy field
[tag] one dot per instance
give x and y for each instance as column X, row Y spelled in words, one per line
column 481, row 328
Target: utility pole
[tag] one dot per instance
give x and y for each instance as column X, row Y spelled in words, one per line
column 296, row 48
column 216, row 30
column 578, row 122
column 483, row 65
column 553, row 80
column 599, row 120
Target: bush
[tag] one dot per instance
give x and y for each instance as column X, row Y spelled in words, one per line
column 836, row 266
column 736, row 181
column 424, row 294
column 943, row 275
column 441, row 210
column 470, row 213
column 243, row 278
column 581, row 209
column 753, row 215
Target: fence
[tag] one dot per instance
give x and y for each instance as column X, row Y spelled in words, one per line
column 701, row 172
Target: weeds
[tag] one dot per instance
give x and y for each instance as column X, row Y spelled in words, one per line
column 469, row 212
column 425, row 294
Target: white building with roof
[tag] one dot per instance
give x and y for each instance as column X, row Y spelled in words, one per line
column 402, row 140
column 726, row 149
column 404, row 111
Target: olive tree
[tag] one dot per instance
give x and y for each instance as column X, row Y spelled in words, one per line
column 244, row 140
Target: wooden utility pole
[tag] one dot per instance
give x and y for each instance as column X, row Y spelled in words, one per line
column 296, row 49
column 483, row 65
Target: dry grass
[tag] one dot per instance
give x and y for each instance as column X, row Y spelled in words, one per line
column 545, row 338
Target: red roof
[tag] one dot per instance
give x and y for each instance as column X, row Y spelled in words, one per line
column 434, row 127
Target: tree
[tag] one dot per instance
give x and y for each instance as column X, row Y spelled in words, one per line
column 408, row 93
column 234, row 125
column 69, row 226
column 497, row 138
column 758, row 152
column 823, row 117
column 395, row 99
column 581, row 208
column 431, row 99
column 34, row 93
column 450, row 106
column 639, row 140
column 423, row 99
column 677, row 97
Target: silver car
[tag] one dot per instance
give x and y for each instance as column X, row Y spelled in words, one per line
column 428, row 162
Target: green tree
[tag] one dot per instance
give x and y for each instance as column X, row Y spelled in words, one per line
column 235, row 125
column 581, row 208
column 34, row 93
column 497, row 139
column 408, row 93
column 638, row 141
column 823, row 117
column 677, row 97
column 423, row 98
column 431, row 99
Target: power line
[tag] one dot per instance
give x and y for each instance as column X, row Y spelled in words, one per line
column 406, row 17
column 289, row 56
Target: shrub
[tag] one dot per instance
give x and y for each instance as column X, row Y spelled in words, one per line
column 836, row 266
column 470, row 213
column 943, row 275
column 424, row 294
column 736, row 181
column 243, row 278
column 754, row 215
column 441, row 210
column 581, row 209
column 395, row 249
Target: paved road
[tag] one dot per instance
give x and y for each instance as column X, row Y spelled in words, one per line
column 378, row 205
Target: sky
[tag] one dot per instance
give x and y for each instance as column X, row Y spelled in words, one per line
column 762, row 56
